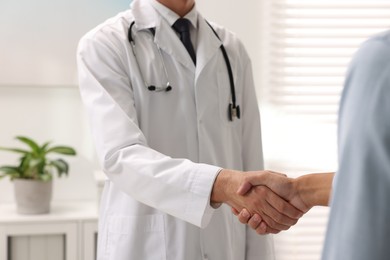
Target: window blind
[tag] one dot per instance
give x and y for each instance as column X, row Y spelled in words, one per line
column 312, row 43
column 309, row 46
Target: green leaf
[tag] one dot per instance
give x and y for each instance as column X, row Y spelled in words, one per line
column 33, row 145
column 16, row 150
column 10, row 170
column 25, row 162
column 46, row 177
column 62, row 150
column 31, row 167
column 44, row 147
column 34, row 164
column 61, row 166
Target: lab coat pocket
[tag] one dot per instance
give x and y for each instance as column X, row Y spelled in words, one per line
column 136, row 237
column 225, row 99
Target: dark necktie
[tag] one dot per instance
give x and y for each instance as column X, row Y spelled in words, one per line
column 182, row 26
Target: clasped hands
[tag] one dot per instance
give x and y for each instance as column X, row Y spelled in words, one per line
column 268, row 202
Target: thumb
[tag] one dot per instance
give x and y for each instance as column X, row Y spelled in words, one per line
column 244, row 188
column 257, row 178
column 278, row 173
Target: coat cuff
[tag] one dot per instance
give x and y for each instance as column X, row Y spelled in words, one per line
column 201, row 189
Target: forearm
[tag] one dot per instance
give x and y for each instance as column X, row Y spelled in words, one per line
column 224, row 186
column 315, row 189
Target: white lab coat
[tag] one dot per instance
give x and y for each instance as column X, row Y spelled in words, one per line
column 359, row 220
column 159, row 149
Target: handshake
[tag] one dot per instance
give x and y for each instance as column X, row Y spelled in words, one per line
column 270, row 202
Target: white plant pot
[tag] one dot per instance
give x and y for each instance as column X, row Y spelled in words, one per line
column 32, row 196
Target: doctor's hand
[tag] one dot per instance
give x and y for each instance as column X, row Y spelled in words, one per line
column 303, row 192
column 276, row 212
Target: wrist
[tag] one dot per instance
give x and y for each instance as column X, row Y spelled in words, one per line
column 222, row 186
column 314, row 189
column 302, row 187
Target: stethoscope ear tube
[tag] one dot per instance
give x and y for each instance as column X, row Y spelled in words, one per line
column 129, row 35
column 151, row 88
column 233, row 108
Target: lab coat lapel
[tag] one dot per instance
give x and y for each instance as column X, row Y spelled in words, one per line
column 170, row 43
column 147, row 17
column 207, row 46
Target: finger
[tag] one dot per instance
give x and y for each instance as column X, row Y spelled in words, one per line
column 280, row 205
column 254, row 221
column 273, row 225
column 262, row 228
column 234, row 211
column 270, row 230
column 278, row 217
column 244, row 188
column 252, row 179
column 263, row 201
column 279, row 220
column 244, row 216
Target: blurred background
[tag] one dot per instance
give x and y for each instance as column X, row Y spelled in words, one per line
column 300, row 51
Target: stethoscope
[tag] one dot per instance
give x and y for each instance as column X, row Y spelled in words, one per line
column 233, row 108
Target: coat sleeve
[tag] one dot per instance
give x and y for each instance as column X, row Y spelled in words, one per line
column 175, row 186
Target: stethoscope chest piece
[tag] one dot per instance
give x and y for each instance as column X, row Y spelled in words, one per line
column 233, row 112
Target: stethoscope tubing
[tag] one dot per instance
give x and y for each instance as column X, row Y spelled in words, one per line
column 233, row 108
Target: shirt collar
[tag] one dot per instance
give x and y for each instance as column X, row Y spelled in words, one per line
column 171, row 16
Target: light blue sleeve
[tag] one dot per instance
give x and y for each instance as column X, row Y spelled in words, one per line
column 359, row 222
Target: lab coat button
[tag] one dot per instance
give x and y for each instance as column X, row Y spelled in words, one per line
column 205, row 257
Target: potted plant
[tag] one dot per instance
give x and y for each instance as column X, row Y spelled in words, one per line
column 33, row 175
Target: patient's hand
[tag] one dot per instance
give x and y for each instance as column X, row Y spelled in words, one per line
column 276, row 212
column 280, row 184
column 303, row 193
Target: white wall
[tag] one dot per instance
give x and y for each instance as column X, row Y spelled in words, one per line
column 245, row 19
column 39, row 97
column 48, row 114
column 54, row 112
column 41, row 38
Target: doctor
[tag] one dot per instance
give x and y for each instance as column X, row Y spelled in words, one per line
column 170, row 116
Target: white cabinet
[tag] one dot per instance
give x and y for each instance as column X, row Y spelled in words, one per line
column 89, row 240
column 69, row 232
